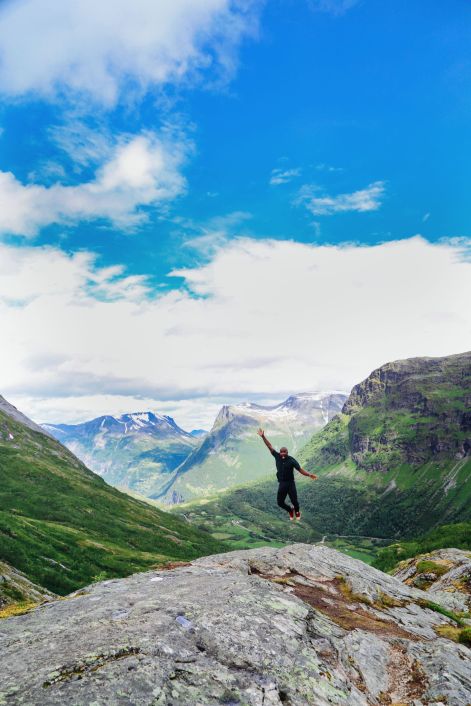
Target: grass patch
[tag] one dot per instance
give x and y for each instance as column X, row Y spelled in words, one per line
column 465, row 637
column 443, row 611
column 17, row 609
column 431, row 567
column 385, row 601
column 461, row 635
column 456, row 535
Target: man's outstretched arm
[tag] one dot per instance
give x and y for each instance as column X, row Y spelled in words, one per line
column 265, row 440
column 305, row 473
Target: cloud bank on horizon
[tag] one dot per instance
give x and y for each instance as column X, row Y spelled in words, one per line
column 80, row 334
column 146, row 259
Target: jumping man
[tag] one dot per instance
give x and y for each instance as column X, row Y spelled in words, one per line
column 284, row 473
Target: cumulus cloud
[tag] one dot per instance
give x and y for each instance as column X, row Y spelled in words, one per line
column 84, row 340
column 105, row 49
column 369, row 199
column 283, row 176
column 142, row 170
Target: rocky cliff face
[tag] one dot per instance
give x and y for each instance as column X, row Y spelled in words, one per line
column 394, row 464
column 410, row 411
column 303, row 626
column 406, row 412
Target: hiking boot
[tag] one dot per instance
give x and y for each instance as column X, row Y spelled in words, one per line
column 298, row 516
column 291, row 515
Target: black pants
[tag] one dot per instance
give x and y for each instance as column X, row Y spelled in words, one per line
column 287, row 487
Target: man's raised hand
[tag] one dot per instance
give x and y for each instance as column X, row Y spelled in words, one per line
column 261, row 432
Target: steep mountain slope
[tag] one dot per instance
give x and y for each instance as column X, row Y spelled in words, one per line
column 300, row 626
column 10, row 411
column 135, row 451
column 407, row 412
column 232, row 453
column 62, row 525
column 394, row 464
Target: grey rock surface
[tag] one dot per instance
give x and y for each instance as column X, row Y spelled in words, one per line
column 302, row 625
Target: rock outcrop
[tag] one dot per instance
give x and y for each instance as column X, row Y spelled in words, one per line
column 411, row 411
column 303, row 625
column 444, row 573
column 16, row 588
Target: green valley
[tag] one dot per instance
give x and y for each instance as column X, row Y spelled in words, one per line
column 394, row 464
column 63, row 526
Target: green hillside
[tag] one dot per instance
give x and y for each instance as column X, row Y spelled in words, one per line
column 63, row 526
column 457, row 536
column 395, row 464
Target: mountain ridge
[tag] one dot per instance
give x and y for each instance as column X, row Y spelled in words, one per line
column 134, row 451
column 11, row 411
column 406, row 411
column 231, row 453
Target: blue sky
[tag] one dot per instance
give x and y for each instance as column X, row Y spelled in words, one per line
column 172, row 140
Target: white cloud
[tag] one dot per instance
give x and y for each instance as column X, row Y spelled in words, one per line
column 142, row 170
column 112, row 48
column 79, row 340
column 369, row 199
column 85, row 142
column 283, row 176
column 213, row 234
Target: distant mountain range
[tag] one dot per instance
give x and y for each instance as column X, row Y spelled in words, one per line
column 134, row 451
column 232, row 453
column 150, row 454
